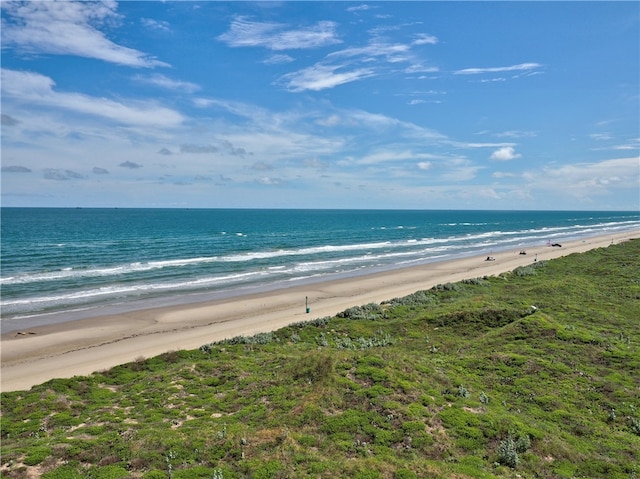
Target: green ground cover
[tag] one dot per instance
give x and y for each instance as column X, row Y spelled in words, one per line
column 464, row 380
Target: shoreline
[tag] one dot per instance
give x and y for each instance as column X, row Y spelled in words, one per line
column 80, row 347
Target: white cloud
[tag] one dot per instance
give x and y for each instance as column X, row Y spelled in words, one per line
column 68, row 28
column 277, row 36
column 152, row 24
column 165, row 82
column 601, row 136
column 585, row 180
column 393, row 53
column 632, row 144
column 203, row 102
column 269, row 181
column 459, row 169
column 331, row 120
column 385, row 156
column 353, row 64
column 515, row 134
column 359, row 8
column 460, row 173
column 278, row 60
column 315, row 164
column 261, row 166
column 503, row 174
column 421, row 68
column 321, row 77
column 425, row 39
column 460, row 144
column 38, row 90
column 511, row 68
column 506, row 153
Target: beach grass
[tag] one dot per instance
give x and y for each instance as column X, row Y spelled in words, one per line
column 532, row 373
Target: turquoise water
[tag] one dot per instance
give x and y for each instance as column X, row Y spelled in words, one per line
column 79, row 261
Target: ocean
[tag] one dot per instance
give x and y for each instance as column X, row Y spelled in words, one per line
column 63, row 264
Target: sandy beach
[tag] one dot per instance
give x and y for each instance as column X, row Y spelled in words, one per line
column 32, row 356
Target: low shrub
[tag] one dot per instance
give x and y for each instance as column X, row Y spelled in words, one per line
column 510, row 449
column 259, row 338
column 447, row 287
column 524, row 271
column 371, row 311
column 476, row 281
column 63, row 472
column 507, row 452
column 107, row 472
column 405, row 474
column 415, row 300
column 36, row 455
column 318, row 323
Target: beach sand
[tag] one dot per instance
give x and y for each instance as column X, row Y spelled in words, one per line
column 73, row 348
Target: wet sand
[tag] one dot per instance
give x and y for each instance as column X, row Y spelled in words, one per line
column 72, row 348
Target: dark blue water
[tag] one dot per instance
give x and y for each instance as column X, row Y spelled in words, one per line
column 83, row 259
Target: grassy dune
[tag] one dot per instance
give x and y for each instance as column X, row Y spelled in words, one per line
column 535, row 373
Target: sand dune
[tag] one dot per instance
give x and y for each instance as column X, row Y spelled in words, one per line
column 81, row 347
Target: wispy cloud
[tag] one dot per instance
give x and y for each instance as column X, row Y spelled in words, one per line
column 278, row 60
column 338, row 67
column 277, row 36
column 386, row 156
column 320, row 77
column 167, row 83
column 377, row 57
column 270, row 181
column 392, row 52
column 352, row 64
column 515, row 134
column 632, row 144
column 601, row 136
column 152, row 24
column 511, row 68
column 261, row 166
column 68, row 28
column 38, row 90
column 425, row 39
column 359, row 8
column 469, row 145
column 459, row 169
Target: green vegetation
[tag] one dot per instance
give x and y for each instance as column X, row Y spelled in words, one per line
column 464, row 380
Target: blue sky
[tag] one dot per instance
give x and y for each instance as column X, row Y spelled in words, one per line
column 425, row 105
